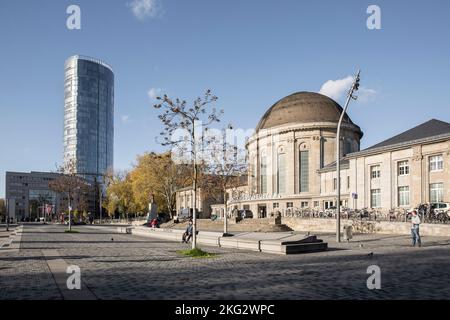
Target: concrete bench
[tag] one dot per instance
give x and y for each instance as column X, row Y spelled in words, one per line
column 127, row 230
column 239, row 243
column 287, row 244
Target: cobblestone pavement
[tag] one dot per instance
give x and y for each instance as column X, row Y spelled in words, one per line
column 121, row 266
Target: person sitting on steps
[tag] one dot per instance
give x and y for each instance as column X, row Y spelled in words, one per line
column 187, row 235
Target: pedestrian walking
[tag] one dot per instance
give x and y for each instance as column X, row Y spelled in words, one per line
column 415, row 232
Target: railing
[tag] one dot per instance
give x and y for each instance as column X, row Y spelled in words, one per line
column 365, row 214
column 120, row 220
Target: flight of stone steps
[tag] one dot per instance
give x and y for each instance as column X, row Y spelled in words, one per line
column 246, row 225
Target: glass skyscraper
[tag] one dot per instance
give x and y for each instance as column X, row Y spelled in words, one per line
column 89, row 116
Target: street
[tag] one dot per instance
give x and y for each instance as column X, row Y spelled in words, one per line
column 122, row 266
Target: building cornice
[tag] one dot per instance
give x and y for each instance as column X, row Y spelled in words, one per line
column 399, row 146
column 283, row 129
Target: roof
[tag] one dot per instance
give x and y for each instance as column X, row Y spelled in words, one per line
column 425, row 130
column 91, row 59
column 344, row 164
column 302, row 107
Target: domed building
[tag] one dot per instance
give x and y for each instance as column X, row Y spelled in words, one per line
column 291, row 163
column 294, row 139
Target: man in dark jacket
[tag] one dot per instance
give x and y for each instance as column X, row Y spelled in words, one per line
column 187, row 235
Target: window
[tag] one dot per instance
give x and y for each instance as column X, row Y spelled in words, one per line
column 276, row 205
column 281, row 174
column 263, row 174
column 328, row 204
column 316, row 204
column 304, row 204
column 289, row 204
column 254, row 175
column 436, row 163
column 403, row 168
column 347, row 146
column 348, row 182
column 375, row 198
column 436, row 192
column 375, row 172
column 304, row 171
column 403, row 196
column 334, row 183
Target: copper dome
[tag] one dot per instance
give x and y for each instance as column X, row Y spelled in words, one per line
column 302, row 107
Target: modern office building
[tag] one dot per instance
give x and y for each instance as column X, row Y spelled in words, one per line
column 29, row 196
column 26, row 192
column 89, row 116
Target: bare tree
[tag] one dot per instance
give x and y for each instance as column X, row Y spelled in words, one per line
column 183, row 126
column 225, row 170
column 68, row 183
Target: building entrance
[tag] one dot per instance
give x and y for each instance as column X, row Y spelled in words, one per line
column 262, row 211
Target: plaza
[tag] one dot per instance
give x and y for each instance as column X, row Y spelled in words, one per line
column 123, row 266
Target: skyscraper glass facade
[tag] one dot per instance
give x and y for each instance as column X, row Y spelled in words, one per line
column 89, row 115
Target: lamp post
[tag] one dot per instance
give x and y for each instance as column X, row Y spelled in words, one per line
column 70, row 212
column 353, row 89
column 225, row 207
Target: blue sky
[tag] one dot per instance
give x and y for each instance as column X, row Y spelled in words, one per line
column 250, row 53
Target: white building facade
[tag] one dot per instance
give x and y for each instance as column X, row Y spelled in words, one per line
column 291, row 162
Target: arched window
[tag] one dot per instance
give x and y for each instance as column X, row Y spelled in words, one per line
column 255, row 175
column 347, row 146
column 281, row 171
column 263, row 173
column 303, row 169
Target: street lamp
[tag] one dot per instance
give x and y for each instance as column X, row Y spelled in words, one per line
column 353, row 89
column 70, row 209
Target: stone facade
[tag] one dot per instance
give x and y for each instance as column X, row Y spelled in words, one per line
column 185, row 200
column 417, row 181
column 285, row 157
column 291, row 162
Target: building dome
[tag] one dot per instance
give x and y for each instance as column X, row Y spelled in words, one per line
column 302, row 107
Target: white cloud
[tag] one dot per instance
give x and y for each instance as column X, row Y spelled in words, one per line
column 153, row 93
column 365, row 94
column 145, row 8
column 125, row 118
column 338, row 89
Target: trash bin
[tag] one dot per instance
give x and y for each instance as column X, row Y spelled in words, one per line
column 348, row 233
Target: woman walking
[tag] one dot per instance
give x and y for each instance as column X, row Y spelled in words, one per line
column 415, row 234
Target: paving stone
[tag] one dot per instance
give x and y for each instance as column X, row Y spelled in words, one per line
column 132, row 267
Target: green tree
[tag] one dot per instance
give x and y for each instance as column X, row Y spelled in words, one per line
column 119, row 195
column 158, row 175
column 2, row 209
